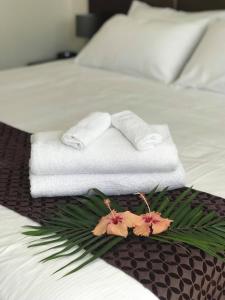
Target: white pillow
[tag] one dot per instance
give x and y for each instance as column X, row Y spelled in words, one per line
column 144, row 12
column 155, row 49
column 206, row 68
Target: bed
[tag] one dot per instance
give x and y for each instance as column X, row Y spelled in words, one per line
column 54, row 95
column 58, row 100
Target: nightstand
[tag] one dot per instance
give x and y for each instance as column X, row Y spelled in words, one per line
column 59, row 56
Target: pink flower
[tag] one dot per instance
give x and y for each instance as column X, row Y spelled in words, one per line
column 115, row 223
column 151, row 223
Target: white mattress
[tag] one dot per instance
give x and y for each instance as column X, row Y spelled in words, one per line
column 54, row 96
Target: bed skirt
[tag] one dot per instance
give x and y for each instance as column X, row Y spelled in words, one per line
column 171, row 272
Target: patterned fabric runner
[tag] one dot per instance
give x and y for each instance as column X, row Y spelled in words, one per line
column 171, row 272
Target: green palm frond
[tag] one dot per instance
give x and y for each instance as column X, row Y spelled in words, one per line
column 71, row 227
column 69, row 232
column 191, row 225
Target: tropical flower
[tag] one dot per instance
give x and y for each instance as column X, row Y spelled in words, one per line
column 116, row 223
column 150, row 223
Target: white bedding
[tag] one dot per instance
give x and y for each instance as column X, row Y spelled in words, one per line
column 54, row 96
column 22, row 277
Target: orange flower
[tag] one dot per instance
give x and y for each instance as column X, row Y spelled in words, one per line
column 151, row 223
column 115, row 223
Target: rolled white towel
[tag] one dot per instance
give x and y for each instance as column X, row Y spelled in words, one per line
column 110, row 184
column 142, row 135
column 87, row 130
column 111, row 153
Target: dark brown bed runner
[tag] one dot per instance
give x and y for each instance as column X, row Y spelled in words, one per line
column 169, row 271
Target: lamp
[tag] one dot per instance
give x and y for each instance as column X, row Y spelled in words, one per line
column 87, row 25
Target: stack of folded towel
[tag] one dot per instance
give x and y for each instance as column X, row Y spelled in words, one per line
column 118, row 154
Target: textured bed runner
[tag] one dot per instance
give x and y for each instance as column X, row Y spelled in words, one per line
column 171, row 272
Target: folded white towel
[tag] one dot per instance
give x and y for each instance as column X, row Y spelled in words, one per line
column 87, row 130
column 111, row 153
column 110, row 184
column 142, row 135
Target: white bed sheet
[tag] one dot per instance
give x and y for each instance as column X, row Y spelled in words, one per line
column 54, row 96
column 22, row 277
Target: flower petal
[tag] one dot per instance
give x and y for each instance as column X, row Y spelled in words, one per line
column 119, row 229
column 161, row 226
column 101, row 227
column 156, row 215
column 131, row 219
column 142, row 230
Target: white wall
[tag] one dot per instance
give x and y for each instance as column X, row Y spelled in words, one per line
column 37, row 29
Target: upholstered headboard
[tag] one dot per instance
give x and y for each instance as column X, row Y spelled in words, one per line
column 104, row 9
column 110, row 7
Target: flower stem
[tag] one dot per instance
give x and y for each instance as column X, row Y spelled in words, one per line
column 143, row 197
column 107, row 203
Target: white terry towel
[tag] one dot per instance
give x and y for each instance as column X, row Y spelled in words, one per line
column 111, row 153
column 110, row 184
column 142, row 135
column 87, row 130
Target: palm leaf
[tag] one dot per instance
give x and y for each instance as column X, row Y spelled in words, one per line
column 192, row 226
column 69, row 231
column 142, row 207
column 113, row 242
